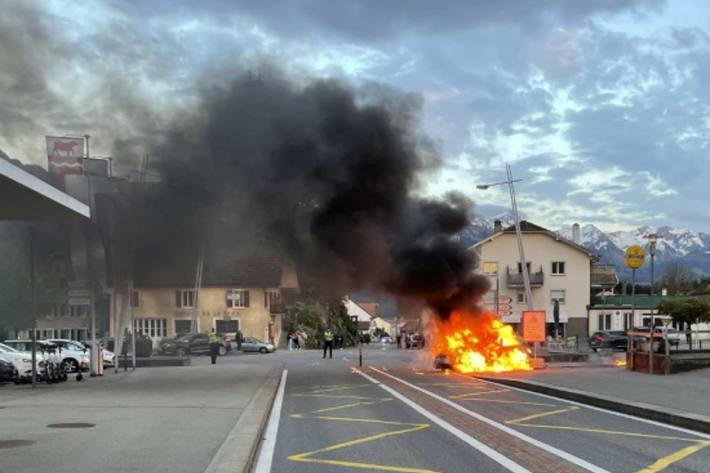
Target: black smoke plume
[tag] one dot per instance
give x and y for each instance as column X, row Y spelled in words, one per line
column 326, row 173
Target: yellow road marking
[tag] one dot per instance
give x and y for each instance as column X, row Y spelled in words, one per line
column 308, row 456
column 331, row 396
column 666, row 461
column 608, row 432
column 478, row 393
column 503, row 401
column 455, row 385
column 542, row 414
column 335, row 387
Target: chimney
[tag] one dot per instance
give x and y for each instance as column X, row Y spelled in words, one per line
column 576, row 234
column 497, row 226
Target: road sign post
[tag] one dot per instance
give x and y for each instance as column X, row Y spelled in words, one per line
column 634, row 258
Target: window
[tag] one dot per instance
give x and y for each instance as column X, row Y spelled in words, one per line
column 183, row 326
column 557, row 294
column 558, row 267
column 520, row 267
column 521, row 298
column 226, row 326
column 134, row 299
column 604, row 321
column 184, row 298
column 237, row 298
column 271, row 298
column 490, row 268
column 151, row 327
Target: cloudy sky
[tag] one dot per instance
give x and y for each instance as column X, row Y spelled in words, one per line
column 600, row 106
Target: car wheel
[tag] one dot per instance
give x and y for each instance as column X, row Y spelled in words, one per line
column 222, row 350
column 263, row 350
column 181, row 352
column 595, row 350
column 70, row 365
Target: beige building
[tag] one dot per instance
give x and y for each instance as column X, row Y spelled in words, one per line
column 246, row 291
column 559, row 269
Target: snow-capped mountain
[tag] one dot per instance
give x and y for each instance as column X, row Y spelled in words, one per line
column 687, row 246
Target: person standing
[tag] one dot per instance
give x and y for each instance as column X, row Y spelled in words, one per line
column 291, row 341
column 328, row 342
column 214, row 346
column 240, row 339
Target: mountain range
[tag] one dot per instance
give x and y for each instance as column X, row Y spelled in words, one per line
column 691, row 248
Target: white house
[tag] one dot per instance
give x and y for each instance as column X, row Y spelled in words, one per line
column 560, row 269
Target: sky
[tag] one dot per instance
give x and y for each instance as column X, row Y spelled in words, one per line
column 601, row 107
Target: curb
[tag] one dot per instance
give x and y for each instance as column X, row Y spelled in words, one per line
column 238, row 451
column 669, row 416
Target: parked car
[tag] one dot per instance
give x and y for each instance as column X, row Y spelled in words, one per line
column 72, row 360
column 197, row 344
column 22, row 362
column 7, row 370
column 254, row 344
column 674, row 336
column 74, row 346
column 612, row 339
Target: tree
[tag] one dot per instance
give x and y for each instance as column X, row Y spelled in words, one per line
column 687, row 311
column 678, row 278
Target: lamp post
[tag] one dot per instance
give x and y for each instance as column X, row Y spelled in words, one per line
column 652, row 239
column 518, row 233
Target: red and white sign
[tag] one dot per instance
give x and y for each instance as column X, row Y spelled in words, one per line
column 65, row 156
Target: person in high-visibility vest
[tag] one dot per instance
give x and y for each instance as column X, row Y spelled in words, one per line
column 214, row 346
column 328, row 342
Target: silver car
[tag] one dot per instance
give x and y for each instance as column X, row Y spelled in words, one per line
column 254, row 344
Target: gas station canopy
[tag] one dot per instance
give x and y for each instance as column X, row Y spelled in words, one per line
column 25, row 197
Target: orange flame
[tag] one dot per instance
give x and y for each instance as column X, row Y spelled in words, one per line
column 618, row 362
column 479, row 343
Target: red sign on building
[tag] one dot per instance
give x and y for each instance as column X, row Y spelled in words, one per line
column 65, row 156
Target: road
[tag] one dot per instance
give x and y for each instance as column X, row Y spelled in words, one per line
column 393, row 415
column 396, row 414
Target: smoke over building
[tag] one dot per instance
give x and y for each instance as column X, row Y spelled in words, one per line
column 325, row 173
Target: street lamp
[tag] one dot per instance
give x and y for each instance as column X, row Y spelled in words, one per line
column 518, row 233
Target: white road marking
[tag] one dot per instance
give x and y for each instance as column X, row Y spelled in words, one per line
column 506, row 462
column 601, row 409
column 266, row 455
column 541, row 445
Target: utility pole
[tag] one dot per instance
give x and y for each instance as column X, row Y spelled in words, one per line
column 519, row 237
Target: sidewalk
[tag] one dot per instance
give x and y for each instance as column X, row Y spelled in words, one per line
column 679, row 399
column 194, row 418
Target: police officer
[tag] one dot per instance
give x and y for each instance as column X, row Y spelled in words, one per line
column 214, row 346
column 328, row 342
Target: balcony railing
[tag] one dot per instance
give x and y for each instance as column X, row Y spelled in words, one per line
column 516, row 279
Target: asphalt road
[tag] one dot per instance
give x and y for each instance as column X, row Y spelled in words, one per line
column 334, row 419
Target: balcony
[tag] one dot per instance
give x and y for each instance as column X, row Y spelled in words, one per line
column 516, row 279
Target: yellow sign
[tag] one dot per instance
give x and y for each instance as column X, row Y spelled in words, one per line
column 634, row 257
column 534, row 325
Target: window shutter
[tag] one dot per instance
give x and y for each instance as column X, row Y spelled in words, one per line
column 177, row 299
column 246, row 298
column 226, row 298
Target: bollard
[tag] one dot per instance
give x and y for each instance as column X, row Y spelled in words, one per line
column 360, row 354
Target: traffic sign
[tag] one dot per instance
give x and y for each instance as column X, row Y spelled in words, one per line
column 504, row 299
column 504, row 307
column 534, row 325
column 634, row 257
column 504, row 313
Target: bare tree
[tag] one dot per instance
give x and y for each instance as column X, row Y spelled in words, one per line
column 678, row 278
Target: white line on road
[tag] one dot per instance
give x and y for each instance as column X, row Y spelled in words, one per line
column 601, row 409
column 266, row 455
column 548, row 448
column 506, row 462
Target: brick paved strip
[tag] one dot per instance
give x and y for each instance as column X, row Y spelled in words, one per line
column 529, row 456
